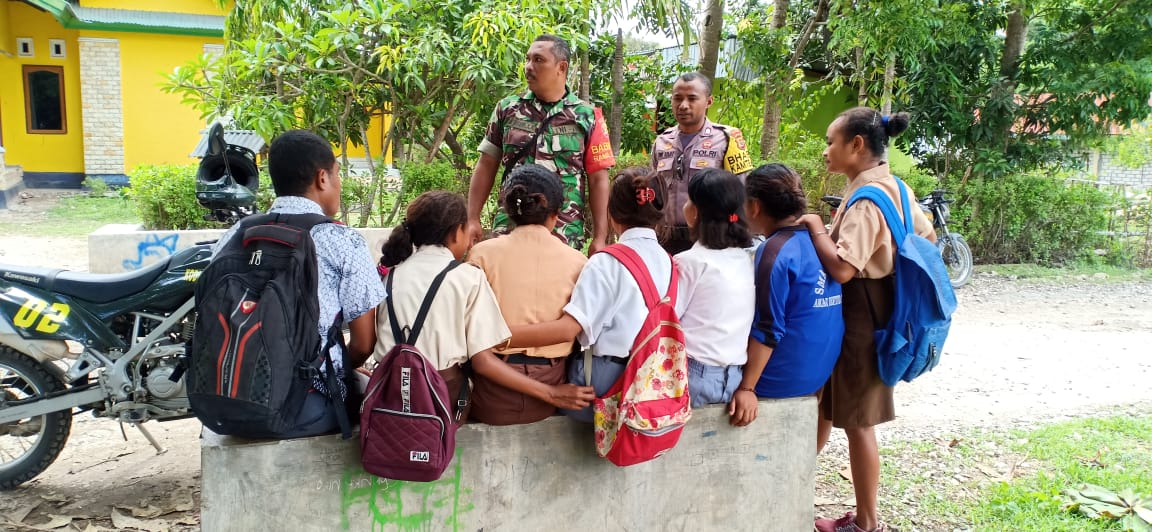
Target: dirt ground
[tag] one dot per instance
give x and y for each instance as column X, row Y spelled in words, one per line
column 1020, row 352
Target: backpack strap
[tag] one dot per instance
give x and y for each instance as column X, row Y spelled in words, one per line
column 335, row 336
column 422, row 314
column 887, row 209
column 635, row 265
column 332, row 380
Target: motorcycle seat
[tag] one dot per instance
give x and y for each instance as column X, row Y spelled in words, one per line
column 92, row 287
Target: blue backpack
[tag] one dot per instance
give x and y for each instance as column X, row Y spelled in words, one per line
column 923, row 302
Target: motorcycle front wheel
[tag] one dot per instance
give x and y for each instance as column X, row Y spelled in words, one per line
column 957, row 258
column 28, row 446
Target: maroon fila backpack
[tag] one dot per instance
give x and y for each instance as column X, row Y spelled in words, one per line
column 407, row 421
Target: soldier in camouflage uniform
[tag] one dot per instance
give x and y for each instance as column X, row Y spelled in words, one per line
column 549, row 126
column 693, row 144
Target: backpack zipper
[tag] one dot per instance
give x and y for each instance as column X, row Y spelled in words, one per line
column 414, row 414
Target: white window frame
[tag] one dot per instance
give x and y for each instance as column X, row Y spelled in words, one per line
column 21, row 43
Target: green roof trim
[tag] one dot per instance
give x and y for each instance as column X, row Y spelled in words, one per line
column 127, row 20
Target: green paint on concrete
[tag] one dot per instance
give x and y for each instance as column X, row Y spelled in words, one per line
column 399, row 505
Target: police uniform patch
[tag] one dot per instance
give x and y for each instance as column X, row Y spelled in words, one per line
column 737, row 136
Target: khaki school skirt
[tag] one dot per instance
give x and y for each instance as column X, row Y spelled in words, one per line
column 854, row 396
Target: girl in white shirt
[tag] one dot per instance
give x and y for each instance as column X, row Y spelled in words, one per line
column 607, row 308
column 717, row 287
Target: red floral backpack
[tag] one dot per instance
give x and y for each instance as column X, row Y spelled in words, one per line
column 642, row 415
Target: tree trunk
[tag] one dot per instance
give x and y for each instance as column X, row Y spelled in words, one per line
column 1002, row 116
column 889, row 78
column 773, row 84
column 376, row 188
column 616, row 116
column 770, row 135
column 585, row 92
column 710, row 38
column 1014, row 37
column 862, row 92
column 819, row 18
column 459, row 159
column 446, row 124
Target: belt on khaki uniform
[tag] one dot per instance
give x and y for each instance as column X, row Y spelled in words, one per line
column 521, row 358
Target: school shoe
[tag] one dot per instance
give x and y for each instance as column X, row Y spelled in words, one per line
column 844, row 524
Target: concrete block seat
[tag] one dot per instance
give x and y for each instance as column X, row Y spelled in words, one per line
column 544, row 476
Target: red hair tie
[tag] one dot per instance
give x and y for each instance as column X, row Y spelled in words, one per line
column 645, row 195
column 732, row 218
column 382, row 270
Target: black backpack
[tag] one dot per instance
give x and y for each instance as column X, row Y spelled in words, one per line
column 255, row 351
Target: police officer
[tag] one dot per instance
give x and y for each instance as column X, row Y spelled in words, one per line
column 692, row 144
column 549, row 126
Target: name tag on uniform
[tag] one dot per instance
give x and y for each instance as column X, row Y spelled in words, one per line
column 523, row 125
column 571, row 129
column 703, row 163
column 663, row 164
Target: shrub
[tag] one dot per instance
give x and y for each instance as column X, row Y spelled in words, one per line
column 96, row 187
column 625, row 161
column 1031, row 217
column 419, row 178
column 803, row 152
column 165, row 197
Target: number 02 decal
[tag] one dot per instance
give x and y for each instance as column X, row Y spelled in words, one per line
column 36, row 311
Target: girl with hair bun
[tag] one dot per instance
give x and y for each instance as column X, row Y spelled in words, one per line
column 716, row 292
column 532, row 273
column 797, row 327
column 464, row 320
column 859, row 253
column 607, row 308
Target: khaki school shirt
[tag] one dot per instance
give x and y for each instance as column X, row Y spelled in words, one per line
column 464, row 318
column 532, row 273
column 861, row 233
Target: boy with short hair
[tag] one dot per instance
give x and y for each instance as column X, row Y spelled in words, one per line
column 306, row 178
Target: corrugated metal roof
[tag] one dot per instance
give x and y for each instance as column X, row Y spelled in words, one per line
column 730, row 65
column 238, row 137
column 76, row 17
column 149, row 19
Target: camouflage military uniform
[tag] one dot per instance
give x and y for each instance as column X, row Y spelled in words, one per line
column 570, row 145
column 714, row 146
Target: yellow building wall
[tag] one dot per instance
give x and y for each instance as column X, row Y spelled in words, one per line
column 40, row 152
column 195, row 7
column 7, row 41
column 376, row 131
column 158, row 128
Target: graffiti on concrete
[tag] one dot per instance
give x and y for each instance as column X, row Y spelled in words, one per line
column 398, row 505
column 152, row 246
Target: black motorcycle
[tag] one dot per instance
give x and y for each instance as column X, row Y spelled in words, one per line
column 112, row 344
column 953, row 248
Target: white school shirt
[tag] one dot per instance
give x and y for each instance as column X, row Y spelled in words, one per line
column 716, row 302
column 607, row 301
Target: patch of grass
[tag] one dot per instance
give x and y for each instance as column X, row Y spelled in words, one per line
column 1115, row 453
column 73, row 216
column 999, row 480
column 1073, row 272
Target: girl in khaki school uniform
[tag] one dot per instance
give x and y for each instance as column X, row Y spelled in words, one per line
column 464, row 320
column 532, row 273
column 607, row 307
column 859, row 253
